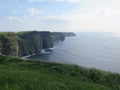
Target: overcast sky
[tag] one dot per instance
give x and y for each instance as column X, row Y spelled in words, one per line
column 60, row 15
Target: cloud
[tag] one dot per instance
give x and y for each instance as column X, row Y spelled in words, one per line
column 30, row 0
column 34, row 11
column 69, row 1
column 74, row 1
column 35, row 0
column 15, row 18
column 88, row 15
column 59, row 0
column 102, row 19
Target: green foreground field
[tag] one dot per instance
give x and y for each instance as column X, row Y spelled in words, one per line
column 18, row 74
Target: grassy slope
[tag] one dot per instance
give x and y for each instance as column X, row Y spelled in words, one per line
column 16, row 74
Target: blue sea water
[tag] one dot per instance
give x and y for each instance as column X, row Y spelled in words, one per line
column 88, row 49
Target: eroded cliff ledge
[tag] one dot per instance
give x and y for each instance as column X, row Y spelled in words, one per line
column 30, row 42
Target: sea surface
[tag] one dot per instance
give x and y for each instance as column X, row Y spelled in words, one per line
column 88, row 49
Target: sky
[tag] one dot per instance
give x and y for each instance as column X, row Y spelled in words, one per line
column 60, row 15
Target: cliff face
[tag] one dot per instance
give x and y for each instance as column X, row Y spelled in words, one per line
column 9, row 44
column 29, row 43
column 34, row 42
column 25, row 43
column 46, row 39
column 60, row 36
column 57, row 36
column 69, row 34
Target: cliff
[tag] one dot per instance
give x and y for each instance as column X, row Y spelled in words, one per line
column 57, row 36
column 26, row 43
column 34, row 42
column 66, row 34
column 9, row 44
column 60, row 36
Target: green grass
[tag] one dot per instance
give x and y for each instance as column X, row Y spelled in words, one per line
column 5, row 32
column 17, row 74
column 23, row 32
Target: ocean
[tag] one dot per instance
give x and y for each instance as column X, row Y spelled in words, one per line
column 88, row 49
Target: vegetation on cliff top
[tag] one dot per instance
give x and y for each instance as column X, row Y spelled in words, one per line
column 8, row 43
column 18, row 74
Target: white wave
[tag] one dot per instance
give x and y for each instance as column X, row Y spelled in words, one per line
column 43, row 51
column 28, row 56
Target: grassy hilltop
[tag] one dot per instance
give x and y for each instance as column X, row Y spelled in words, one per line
column 18, row 74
